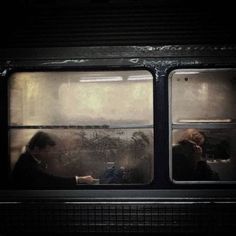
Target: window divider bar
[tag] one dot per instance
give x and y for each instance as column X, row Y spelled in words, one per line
column 205, row 126
column 77, row 127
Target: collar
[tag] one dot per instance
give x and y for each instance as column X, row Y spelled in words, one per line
column 39, row 162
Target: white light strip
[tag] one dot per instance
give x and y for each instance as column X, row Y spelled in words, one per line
column 206, row 121
column 100, row 79
column 186, row 72
column 139, row 77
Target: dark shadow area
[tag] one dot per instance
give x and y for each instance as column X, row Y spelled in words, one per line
column 117, row 23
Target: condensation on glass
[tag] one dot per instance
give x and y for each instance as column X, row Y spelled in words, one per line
column 202, row 119
column 100, row 120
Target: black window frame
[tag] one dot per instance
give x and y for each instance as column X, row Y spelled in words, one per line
column 6, row 161
column 64, row 126
column 184, row 125
column 160, row 61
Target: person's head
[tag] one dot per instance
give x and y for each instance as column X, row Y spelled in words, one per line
column 41, row 145
column 193, row 135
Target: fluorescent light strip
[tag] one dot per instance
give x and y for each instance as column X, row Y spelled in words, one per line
column 139, row 77
column 186, row 72
column 206, row 121
column 101, row 79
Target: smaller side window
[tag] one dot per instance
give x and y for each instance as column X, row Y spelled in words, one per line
column 203, row 125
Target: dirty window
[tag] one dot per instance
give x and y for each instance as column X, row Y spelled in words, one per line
column 101, row 122
column 202, row 123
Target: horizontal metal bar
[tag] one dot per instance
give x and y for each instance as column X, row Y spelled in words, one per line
column 127, row 203
column 205, row 126
column 78, row 127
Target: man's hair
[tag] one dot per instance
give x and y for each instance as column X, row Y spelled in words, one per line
column 40, row 140
column 193, row 135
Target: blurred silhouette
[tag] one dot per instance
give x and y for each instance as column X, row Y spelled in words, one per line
column 112, row 174
column 30, row 170
column 188, row 162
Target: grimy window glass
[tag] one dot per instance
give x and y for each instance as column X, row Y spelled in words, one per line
column 101, row 122
column 203, row 125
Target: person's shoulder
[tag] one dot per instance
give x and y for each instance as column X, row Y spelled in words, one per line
column 176, row 147
column 25, row 160
column 179, row 147
column 25, row 157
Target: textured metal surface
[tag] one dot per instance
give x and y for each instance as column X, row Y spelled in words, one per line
column 111, row 24
column 121, row 217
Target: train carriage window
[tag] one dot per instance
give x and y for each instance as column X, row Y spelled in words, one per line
column 102, row 121
column 203, row 125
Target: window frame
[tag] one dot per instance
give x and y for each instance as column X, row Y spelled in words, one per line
column 209, row 125
column 89, row 69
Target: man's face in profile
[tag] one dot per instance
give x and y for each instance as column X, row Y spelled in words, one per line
column 47, row 153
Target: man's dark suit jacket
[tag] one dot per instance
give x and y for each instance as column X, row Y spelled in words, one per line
column 28, row 173
column 188, row 166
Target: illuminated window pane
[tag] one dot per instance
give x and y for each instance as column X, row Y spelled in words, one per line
column 99, row 121
column 218, row 151
column 81, row 98
column 203, row 96
column 203, row 127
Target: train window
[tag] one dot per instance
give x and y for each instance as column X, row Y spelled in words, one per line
column 203, row 125
column 101, row 121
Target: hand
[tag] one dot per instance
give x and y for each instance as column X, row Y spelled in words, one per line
column 88, row 179
column 197, row 149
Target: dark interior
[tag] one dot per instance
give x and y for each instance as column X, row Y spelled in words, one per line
column 60, row 23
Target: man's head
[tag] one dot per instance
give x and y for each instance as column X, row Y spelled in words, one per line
column 40, row 140
column 193, row 135
column 41, row 145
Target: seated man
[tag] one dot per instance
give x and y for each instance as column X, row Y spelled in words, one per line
column 30, row 169
column 188, row 164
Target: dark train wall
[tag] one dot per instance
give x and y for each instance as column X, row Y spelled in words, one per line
column 35, row 23
column 164, row 38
